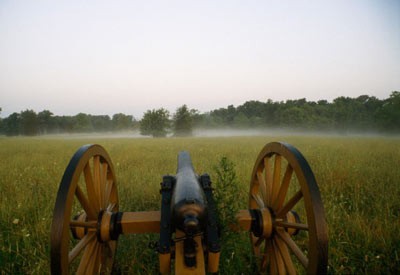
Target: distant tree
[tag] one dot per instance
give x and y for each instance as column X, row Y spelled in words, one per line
column 293, row 116
column 183, row 121
column 12, row 124
column 29, row 123
column 46, row 121
column 251, row 109
column 1, row 123
column 122, row 122
column 389, row 113
column 101, row 123
column 198, row 118
column 206, row 120
column 241, row 120
column 225, row 115
column 82, row 123
column 155, row 123
column 65, row 124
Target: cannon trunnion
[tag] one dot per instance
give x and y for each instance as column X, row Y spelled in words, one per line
column 285, row 217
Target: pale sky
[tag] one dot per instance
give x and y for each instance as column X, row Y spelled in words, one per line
column 105, row 57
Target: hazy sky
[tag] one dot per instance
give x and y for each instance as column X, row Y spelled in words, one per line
column 104, row 57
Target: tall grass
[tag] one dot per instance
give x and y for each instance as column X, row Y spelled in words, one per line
column 359, row 179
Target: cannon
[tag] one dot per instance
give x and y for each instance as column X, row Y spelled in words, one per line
column 285, row 217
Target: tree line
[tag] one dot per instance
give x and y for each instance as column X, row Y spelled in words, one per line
column 361, row 113
column 343, row 114
column 30, row 123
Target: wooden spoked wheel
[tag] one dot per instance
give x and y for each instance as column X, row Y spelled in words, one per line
column 290, row 234
column 86, row 197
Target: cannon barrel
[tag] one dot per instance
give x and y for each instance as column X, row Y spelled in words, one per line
column 188, row 205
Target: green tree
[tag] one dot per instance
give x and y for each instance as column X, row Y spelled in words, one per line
column 29, row 123
column 46, row 121
column 225, row 116
column 11, row 124
column 293, row 117
column 389, row 113
column 183, row 121
column 82, row 123
column 155, row 123
column 1, row 123
column 101, row 123
column 65, row 124
column 241, row 120
column 122, row 122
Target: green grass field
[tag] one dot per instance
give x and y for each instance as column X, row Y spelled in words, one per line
column 359, row 180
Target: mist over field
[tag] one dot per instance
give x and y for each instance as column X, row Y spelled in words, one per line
column 256, row 132
column 226, row 132
column 344, row 116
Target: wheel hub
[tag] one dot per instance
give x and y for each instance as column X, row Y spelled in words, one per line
column 104, row 229
column 103, row 226
column 263, row 222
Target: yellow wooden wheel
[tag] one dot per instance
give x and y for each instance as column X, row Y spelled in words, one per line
column 289, row 231
column 86, row 198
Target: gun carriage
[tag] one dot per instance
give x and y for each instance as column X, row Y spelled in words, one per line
column 285, row 217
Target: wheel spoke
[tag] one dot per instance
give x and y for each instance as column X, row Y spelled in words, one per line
column 97, row 179
column 268, row 179
column 91, row 188
column 293, row 247
column 258, row 200
column 255, row 188
column 80, row 246
column 262, row 187
column 273, row 265
column 259, row 241
column 110, row 249
column 89, row 224
column 104, row 184
column 290, row 204
column 94, row 267
column 256, row 249
column 285, row 255
column 284, row 188
column 87, row 259
column 278, row 257
column 90, row 212
column 284, row 224
column 276, row 178
column 111, row 206
column 266, row 257
column 100, row 258
column 109, row 188
column 104, row 255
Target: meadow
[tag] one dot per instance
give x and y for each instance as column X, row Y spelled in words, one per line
column 359, row 180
